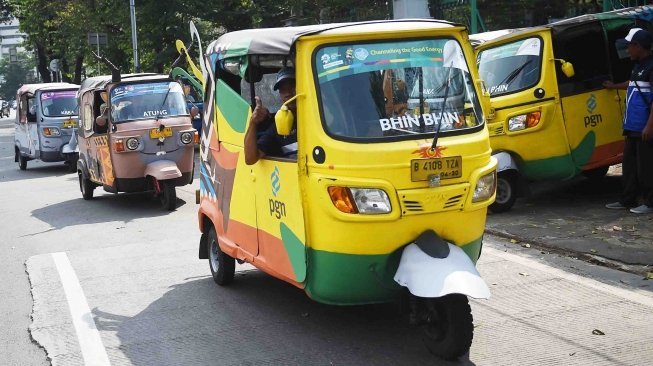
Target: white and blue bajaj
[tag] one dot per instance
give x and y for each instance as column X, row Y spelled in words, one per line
column 46, row 120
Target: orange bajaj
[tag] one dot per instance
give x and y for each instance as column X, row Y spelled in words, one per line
column 386, row 198
column 135, row 136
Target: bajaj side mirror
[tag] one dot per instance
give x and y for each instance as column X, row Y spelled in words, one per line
column 284, row 119
column 566, row 67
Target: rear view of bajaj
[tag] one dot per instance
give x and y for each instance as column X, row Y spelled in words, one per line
column 386, row 198
column 135, row 136
column 46, row 119
column 553, row 119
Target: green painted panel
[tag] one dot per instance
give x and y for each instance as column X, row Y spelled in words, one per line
column 583, row 152
column 239, row 48
column 473, row 249
column 233, row 107
column 296, row 252
column 346, row 279
column 560, row 167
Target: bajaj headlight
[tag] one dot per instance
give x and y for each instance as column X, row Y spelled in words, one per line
column 186, row 137
column 524, row 121
column 371, row 201
column 485, row 187
column 132, row 143
column 360, row 200
column 51, row 131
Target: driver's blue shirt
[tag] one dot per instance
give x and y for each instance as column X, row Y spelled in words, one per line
column 273, row 144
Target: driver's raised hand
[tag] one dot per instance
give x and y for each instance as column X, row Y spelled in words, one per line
column 260, row 113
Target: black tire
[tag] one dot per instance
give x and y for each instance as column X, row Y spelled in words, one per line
column 506, row 192
column 22, row 162
column 222, row 265
column 72, row 165
column 596, row 174
column 86, row 186
column 449, row 327
column 168, row 196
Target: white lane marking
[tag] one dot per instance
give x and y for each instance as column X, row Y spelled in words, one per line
column 88, row 336
column 629, row 295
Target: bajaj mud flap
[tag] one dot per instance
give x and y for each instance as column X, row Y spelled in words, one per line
column 70, row 152
column 439, row 277
column 164, row 173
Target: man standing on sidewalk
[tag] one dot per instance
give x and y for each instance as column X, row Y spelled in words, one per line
column 637, row 163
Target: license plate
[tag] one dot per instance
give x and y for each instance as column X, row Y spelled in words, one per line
column 446, row 168
column 69, row 124
column 155, row 133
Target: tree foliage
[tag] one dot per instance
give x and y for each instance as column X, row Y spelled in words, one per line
column 58, row 29
column 15, row 74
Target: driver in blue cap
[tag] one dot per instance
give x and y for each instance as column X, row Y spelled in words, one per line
column 637, row 165
column 270, row 142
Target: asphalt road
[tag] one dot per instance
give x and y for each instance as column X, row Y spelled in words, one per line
column 152, row 302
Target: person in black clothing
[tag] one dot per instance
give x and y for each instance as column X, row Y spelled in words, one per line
column 270, row 142
column 637, row 165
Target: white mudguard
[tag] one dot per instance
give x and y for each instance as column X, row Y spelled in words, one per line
column 505, row 161
column 425, row 276
column 162, row 170
column 71, row 146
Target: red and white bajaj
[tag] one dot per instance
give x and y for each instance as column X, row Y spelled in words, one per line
column 135, row 135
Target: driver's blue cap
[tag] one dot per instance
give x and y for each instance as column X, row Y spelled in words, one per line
column 283, row 74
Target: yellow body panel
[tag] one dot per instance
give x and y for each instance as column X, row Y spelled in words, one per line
column 385, row 166
column 278, row 215
column 575, row 132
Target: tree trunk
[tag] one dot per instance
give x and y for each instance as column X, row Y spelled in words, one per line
column 65, row 74
column 79, row 63
column 46, row 76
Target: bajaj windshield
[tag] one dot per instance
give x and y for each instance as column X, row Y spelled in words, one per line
column 398, row 90
column 511, row 67
column 147, row 101
column 59, row 103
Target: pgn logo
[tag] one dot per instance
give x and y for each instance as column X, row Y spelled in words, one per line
column 593, row 119
column 591, row 104
column 275, row 179
column 277, row 208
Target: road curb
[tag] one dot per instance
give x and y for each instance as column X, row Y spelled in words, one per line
column 586, row 257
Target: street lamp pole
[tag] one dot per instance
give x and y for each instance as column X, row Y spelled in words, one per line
column 132, row 11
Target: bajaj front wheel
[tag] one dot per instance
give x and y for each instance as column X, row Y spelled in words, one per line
column 447, row 325
column 168, row 196
column 22, row 161
column 506, row 192
column 222, row 265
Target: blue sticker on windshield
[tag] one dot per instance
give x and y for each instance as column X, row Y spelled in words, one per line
column 337, row 61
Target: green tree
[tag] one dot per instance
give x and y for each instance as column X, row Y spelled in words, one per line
column 6, row 10
column 15, row 74
column 59, row 29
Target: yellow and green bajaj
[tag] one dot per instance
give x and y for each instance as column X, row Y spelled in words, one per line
column 552, row 118
column 388, row 194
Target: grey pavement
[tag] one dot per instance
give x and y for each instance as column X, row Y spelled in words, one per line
column 571, row 216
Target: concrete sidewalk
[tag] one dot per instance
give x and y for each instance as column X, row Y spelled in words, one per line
column 570, row 216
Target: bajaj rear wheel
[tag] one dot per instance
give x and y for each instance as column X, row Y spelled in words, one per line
column 86, row 186
column 222, row 265
column 447, row 326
